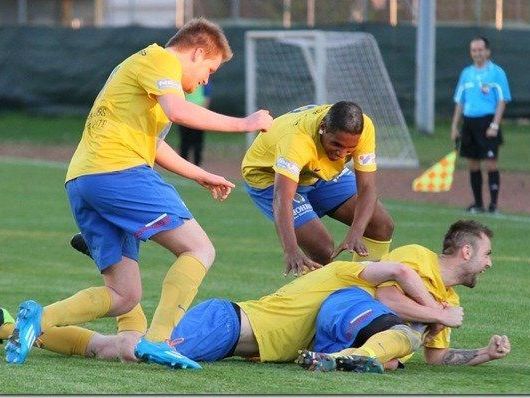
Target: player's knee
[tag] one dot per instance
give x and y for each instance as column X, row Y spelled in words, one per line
column 127, row 301
column 205, row 253
column 324, row 257
column 413, row 336
column 381, row 226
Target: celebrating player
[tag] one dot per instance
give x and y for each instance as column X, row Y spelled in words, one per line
column 296, row 174
column 466, row 253
column 118, row 199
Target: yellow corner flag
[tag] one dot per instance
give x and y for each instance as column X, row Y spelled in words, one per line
column 438, row 177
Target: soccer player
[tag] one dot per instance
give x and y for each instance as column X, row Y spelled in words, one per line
column 481, row 96
column 272, row 328
column 118, row 199
column 466, row 253
column 295, row 174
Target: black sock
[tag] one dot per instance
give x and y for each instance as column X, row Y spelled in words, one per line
column 476, row 186
column 494, row 182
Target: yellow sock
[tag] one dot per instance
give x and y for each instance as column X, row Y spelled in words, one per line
column 66, row 340
column 178, row 291
column 134, row 320
column 6, row 330
column 84, row 306
column 384, row 346
column 376, row 249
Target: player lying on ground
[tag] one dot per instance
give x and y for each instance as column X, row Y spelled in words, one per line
column 273, row 328
column 296, row 173
column 466, row 253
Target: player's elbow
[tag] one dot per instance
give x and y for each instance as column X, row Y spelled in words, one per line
column 401, row 273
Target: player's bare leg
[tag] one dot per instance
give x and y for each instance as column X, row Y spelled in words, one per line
column 315, row 241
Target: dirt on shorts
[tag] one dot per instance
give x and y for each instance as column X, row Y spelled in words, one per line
column 514, row 194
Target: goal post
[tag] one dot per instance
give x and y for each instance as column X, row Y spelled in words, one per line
column 286, row 69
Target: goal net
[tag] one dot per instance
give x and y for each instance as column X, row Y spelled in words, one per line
column 289, row 69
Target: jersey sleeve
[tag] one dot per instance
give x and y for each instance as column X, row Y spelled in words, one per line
column 160, row 75
column 293, row 152
column 458, row 97
column 503, row 89
column 364, row 154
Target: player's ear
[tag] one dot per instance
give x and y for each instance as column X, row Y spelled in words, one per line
column 467, row 251
column 198, row 54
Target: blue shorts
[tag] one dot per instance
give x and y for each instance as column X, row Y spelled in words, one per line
column 342, row 315
column 208, row 332
column 114, row 211
column 311, row 201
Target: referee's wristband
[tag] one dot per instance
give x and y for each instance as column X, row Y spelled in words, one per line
column 494, row 126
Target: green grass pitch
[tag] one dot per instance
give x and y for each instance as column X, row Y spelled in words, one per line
column 36, row 262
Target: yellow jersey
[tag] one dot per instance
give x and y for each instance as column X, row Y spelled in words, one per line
column 426, row 264
column 284, row 322
column 292, row 147
column 126, row 121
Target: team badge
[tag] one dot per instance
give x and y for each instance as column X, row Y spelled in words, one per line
column 366, row 159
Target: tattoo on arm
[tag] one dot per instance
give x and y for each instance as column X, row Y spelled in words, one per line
column 459, row 357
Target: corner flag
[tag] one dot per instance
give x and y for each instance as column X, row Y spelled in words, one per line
column 438, row 177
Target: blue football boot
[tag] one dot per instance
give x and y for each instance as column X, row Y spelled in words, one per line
column 27, row 329
column 163, row 354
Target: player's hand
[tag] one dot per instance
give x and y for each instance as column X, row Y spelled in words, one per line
column 299, row 264
column 452, row 316
column 218, row 186
column 351, row 244
column 499, row 347
column 491, row 133
column 219, row 192
column 260, row 120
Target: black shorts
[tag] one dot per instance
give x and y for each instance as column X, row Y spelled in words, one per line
column 473, row 141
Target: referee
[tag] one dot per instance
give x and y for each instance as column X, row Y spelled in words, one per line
column 481, row 96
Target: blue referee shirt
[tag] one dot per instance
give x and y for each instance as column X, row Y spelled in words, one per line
column 480, row 89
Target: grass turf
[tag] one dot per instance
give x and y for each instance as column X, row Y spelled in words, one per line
column 36, row 262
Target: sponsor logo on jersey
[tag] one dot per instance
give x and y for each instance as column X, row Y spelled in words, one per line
column 367, row 158
column 163, row 84
column 287, row 165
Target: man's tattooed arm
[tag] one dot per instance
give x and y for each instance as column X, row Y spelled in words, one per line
column 498, row 347
column 461, row 357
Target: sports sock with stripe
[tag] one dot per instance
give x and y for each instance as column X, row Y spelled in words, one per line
column 178, row 291
column 384, row 346
column 134, row 320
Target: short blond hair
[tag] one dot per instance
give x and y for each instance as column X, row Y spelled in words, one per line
column 199, row 32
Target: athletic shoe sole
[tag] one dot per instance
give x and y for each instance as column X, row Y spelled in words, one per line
column 27, row 329
column 359, row 364
column 315, row 361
